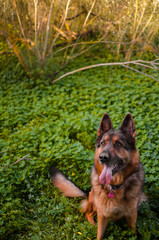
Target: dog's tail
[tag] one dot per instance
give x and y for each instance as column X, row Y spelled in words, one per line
column 67, row 187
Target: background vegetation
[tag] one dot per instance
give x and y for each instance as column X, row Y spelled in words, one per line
column 43, row 124
column 46, row 35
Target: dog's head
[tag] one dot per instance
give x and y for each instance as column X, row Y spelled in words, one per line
column 114, row 148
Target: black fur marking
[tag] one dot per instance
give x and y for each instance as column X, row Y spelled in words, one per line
column 118, row 166
column 54, row 171
column 116, row 187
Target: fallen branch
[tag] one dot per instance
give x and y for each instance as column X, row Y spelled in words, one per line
column 25, row 157
column 147, row 75
column 148, row 64
column 21, row 159
column 71, row 18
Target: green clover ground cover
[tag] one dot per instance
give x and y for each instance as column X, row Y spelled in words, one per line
column 57, row 124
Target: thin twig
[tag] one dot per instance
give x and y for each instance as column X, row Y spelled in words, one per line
column 18, row 16
column 48, row 29
column 83, row 27
column 95, row 42
column 25, row 157
column 92, row 45
column 20, row 159
column 147, row 75
column 149, row 20
column 36, row 28
column 130, row 49
column 147, row 66
column 155, row 60
column 71, row 18
column 63, row 22
column 124, row 64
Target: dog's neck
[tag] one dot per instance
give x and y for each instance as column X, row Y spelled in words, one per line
column 115, row 187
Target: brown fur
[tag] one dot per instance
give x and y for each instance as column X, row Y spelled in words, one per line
column 112, row 147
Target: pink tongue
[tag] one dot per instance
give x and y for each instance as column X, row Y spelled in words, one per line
column 106, row 175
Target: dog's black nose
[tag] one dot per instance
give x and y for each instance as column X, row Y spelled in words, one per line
column 104, row 157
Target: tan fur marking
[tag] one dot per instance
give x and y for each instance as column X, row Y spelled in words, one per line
column 89, row 208
column 106, row 139
column 99, row 167
column 115, row 138
column 67, row 187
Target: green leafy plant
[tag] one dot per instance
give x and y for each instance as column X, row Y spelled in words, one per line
column 56, row 124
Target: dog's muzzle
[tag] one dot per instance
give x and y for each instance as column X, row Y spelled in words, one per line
column 114, row 163
column 104, row 158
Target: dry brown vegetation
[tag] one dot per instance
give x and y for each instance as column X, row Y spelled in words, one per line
column 39, row 31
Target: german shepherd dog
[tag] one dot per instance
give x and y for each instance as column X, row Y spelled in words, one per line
column 117, row 177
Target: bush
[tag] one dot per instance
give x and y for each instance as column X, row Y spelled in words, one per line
column 46, row 35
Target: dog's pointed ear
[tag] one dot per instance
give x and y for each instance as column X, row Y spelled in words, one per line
column 128, row 126
column 104, row 125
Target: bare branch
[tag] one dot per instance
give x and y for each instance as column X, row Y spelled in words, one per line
column 48, row 29
column 147, row 75
column 25, row 157
column 63, row 22
column 155, row 60
column 147, row 66
column 17, row 52
column 92, row 45
column 123, row 64
column 36, row 29
column 71, row 18
column 18, row 16
column 95, row 42
column 83, row 27
column 21, row 159
column 149, row 20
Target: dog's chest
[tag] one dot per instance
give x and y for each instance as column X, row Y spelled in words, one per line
column 109, row 207
column 114, row 213
column 112, row 208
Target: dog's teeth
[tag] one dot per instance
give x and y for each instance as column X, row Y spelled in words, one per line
column 115, row 166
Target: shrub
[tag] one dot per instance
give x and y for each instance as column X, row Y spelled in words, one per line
column 46, row 35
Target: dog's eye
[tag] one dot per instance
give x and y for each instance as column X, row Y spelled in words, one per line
column 118, row 144
column 102, row 143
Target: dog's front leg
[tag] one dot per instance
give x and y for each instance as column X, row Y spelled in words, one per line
column 131, row 219
column 102, row 223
